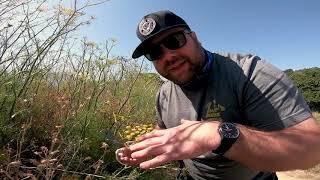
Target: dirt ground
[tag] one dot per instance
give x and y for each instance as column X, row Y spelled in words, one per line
column 297, row 175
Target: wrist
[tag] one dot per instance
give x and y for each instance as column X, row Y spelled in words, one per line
column 213, row 138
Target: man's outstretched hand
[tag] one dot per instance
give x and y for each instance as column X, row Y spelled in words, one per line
column 188, row 140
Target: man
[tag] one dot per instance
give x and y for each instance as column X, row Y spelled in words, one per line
column 227, row 116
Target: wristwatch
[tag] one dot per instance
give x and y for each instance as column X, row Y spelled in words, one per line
column 229, row 134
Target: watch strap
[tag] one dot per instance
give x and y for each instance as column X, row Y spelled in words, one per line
column 225, row 145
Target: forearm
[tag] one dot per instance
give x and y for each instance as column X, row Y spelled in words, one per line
column 292, row 148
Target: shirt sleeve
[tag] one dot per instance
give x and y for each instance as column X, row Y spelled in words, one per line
column 270, row 99
column 158, row 117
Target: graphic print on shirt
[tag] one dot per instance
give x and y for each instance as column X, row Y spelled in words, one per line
column 213, row 111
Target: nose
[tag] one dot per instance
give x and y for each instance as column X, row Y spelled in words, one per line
column 168, row 56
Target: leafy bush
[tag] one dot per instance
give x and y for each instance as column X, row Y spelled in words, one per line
column 308, row 81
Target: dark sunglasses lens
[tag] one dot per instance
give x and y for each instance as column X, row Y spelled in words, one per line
column 172, row 42
column 175, row 41
column 154, row 53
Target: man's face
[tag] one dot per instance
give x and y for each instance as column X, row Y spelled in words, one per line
column 178, row 65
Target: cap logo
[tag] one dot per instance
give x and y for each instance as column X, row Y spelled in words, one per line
column 146, row 26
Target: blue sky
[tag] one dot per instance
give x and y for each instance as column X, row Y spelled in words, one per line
column 286, row 33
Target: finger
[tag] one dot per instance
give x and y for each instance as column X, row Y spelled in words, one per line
column 126, row 151
column 129, row 143
column 155, row 162
column 119, row 152
column 123, row 152
column 129, row 162
column 124, row 158
column 187, row 122
column 154, row 133
column 145, row 144
column 120, row 156
column 150, row 151
column 184, row 121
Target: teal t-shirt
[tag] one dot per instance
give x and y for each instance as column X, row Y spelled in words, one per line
column 238, row 88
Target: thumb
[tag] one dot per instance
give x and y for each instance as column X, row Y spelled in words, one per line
column 184, row 121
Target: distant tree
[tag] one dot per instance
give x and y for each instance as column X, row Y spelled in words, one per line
column 289, row 71
column 308, row 81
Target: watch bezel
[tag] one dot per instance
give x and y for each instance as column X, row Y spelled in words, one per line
column 223, row 131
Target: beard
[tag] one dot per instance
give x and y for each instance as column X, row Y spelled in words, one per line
column 184, row 72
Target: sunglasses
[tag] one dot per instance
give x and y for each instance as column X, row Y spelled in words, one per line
column 171, row 42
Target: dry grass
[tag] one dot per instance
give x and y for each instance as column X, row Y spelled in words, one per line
column 317, row 116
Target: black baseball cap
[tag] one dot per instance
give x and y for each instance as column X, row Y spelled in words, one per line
column 153, row 24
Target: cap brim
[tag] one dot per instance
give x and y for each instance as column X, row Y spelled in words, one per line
column 139, row 51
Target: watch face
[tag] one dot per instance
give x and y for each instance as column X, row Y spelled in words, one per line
column 229, row 130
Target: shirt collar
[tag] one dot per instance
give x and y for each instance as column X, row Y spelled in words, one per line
column 208, row 61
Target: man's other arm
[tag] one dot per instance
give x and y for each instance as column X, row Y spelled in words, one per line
column 296, row 147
